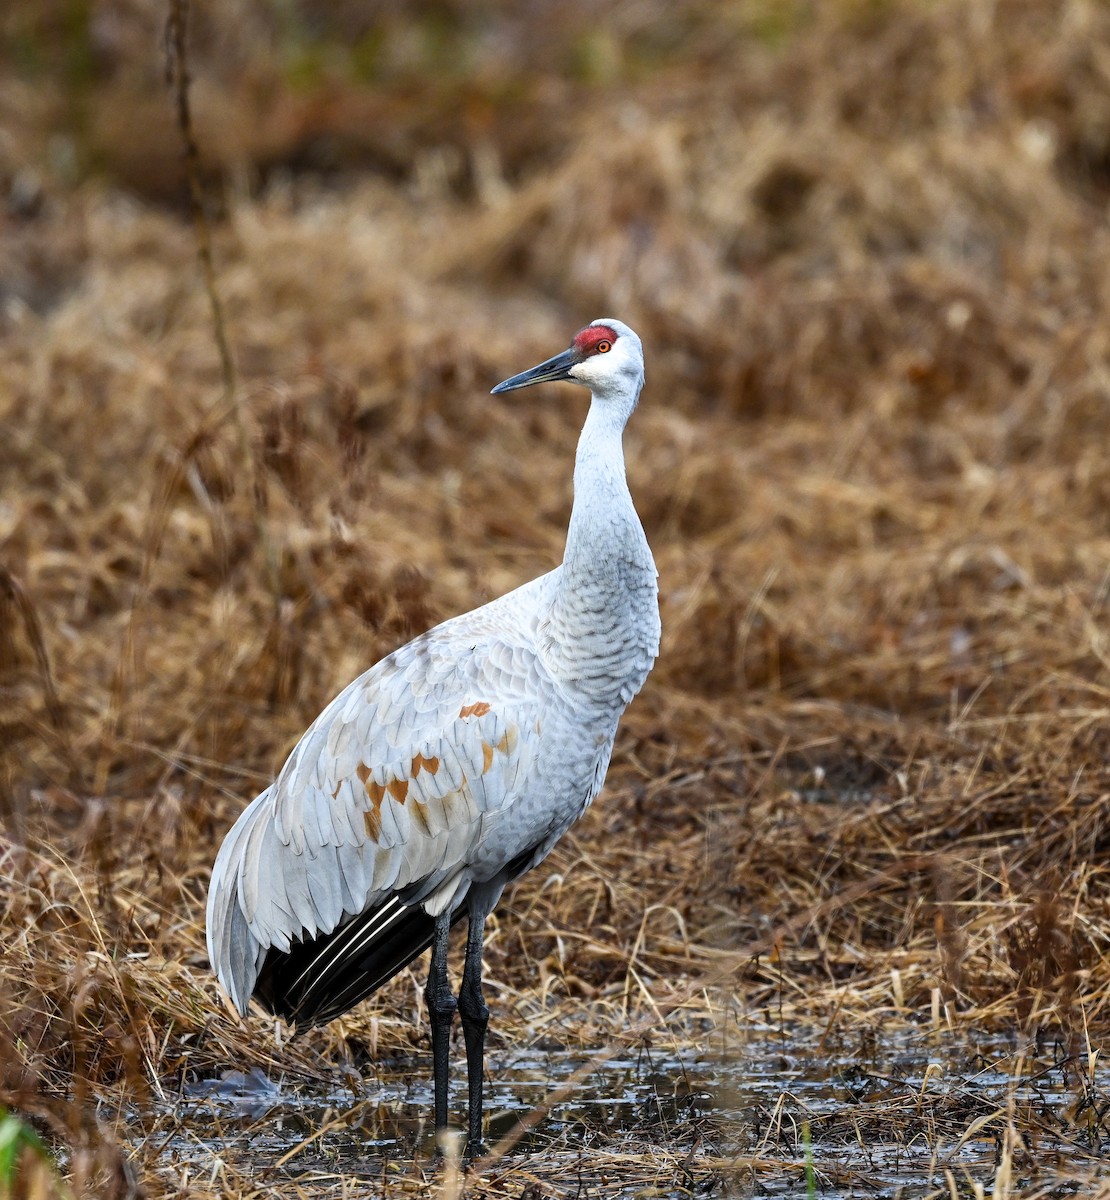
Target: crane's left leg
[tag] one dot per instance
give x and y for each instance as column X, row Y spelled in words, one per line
column 474, row 1016
column 441, row 1010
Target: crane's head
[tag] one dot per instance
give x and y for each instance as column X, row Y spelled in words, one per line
column 606, row 357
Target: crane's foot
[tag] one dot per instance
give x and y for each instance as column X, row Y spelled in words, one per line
column 450, row 1143
column 454, row 1148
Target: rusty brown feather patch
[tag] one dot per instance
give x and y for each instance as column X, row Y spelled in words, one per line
column 420, row 763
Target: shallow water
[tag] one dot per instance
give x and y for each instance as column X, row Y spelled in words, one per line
column 775, row 1113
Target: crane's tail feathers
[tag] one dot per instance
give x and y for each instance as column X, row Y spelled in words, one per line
column 319, row 979
column 235, row 953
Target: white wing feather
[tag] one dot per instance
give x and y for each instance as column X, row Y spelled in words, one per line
column 390, row 788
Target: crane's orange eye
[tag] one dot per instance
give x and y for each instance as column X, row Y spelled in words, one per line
column 603, row 347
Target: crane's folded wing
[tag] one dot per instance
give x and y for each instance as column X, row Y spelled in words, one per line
column 389, row 791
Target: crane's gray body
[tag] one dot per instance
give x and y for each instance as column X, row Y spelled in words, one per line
column 459, row 760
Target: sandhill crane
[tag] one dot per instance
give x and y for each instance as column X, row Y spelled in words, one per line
column 452, row 766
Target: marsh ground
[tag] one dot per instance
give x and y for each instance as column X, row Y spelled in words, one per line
column 862, row 805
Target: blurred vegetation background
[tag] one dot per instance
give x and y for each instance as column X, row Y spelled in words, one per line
column 352, row 86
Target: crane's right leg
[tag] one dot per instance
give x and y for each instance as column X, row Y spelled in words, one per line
column 441, row 1011
column 474, row 1014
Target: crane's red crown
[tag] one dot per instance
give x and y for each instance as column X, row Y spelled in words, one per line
column 586, row 341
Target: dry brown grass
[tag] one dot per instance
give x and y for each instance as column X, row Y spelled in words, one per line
column 866, row 788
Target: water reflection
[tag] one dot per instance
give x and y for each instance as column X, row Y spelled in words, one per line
column 898, row 1117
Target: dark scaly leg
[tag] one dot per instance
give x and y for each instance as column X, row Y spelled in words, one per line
column 475, row 1019
column 441, row 1011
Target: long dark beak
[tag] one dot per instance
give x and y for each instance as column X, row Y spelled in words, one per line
column 547, row 372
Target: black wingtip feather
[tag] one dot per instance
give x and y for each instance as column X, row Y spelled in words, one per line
column 293, row 986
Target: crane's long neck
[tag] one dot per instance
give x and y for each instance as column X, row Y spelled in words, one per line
column 603, row 628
